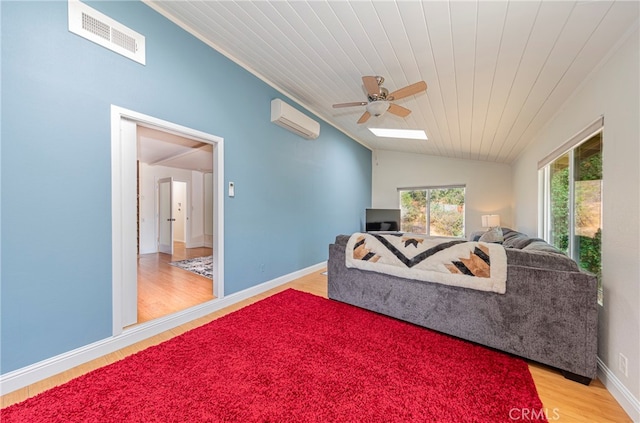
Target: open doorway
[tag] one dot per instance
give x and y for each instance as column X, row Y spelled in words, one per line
column 175, row 257
column 145, row 150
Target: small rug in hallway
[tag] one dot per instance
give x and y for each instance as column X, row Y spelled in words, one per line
column 202, row 266
column 296, row 357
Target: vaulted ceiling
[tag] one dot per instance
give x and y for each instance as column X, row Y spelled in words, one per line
column 496, row 71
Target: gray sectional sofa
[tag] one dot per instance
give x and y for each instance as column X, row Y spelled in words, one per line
column 548, row 313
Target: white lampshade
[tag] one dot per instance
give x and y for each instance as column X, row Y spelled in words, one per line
column 490, row 220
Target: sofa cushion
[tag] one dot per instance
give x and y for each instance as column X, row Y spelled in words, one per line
column 540, row 260
column 493, row 235
column 514, row 239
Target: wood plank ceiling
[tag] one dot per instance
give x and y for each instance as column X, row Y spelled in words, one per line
column 496, row 71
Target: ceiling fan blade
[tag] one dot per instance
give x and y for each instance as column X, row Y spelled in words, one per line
column 409, row 90
column 371, row 85
column 399, row 110
column 365, row 117
column 355, row 103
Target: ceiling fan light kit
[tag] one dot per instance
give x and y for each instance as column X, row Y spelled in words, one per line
column 377, row 108
column 379, row 99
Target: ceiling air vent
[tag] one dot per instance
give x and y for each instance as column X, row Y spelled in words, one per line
column 101, row 29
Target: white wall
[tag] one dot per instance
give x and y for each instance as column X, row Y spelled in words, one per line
column 197, row 210
column 614, row 92
column 208, row 209
column 179, row 210
column 488, row 185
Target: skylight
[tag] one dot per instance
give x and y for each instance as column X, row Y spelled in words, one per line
column 414, row 134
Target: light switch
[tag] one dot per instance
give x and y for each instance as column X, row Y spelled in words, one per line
column 232, row 189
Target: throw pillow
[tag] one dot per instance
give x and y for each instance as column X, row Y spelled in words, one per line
column 493, row 235
column 475, row 236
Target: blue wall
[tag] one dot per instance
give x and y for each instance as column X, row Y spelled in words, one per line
column 292, row 195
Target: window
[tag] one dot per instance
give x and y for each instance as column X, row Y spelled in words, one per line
column 435, row 211
column 572, row 201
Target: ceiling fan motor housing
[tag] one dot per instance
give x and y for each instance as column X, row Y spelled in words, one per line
column 382, row 95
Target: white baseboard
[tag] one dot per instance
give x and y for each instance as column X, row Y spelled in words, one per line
column 627, row 401
column 196, row 242
column 33, row 373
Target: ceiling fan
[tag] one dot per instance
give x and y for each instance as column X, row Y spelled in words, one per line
column 379, row 99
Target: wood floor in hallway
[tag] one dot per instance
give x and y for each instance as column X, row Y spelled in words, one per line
column 164, row 289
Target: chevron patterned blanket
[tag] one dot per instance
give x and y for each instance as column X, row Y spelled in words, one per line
column 474, row 265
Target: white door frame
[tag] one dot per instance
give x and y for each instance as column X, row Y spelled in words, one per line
column 123, row 202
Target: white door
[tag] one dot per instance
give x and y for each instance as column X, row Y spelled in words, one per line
column 127, row 272
column 165, row 215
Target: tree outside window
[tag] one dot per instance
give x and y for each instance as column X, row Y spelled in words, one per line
column 574, row 207
column 435, row 211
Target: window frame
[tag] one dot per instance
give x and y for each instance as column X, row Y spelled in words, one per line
column 569, row 148
column 428, row 208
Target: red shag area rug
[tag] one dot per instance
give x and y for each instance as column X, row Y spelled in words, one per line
column 296, row 357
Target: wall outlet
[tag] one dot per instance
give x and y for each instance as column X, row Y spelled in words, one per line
column 622, row 364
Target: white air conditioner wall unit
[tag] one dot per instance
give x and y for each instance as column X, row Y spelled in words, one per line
column 292, row 119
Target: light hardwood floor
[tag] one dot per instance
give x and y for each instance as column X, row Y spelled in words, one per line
column 563, row 400
column 164, row 289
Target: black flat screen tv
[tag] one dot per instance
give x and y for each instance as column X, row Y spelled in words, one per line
column 382, row 220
